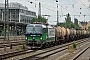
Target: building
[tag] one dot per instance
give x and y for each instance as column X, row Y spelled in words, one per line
column 84, row 25
column 17, row 13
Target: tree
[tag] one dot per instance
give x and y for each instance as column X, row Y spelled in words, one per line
column 62, row 24
column 89, row 28
column 42, row 19
column 76, row 21
column 68, row 23
column 39, row 19
column 34, row 20
column 68, row 18
column 72, row 25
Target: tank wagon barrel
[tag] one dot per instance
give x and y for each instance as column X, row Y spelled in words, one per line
column 67, row 32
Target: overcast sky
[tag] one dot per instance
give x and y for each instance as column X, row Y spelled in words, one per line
column 49, row 7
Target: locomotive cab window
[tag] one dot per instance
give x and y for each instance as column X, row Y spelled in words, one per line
column 44, row 30
column 38, row 29
column 29, row 29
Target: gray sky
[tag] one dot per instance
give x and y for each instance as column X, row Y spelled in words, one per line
column 48, row 7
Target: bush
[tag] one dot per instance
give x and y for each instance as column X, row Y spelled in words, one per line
column 19, row 48
column 23, row 46
column 74, row 44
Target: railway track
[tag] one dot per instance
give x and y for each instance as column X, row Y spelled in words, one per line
column 14, row 43
column 15, row 53
column 46, row 54
column 79, row 54
column 6, row 46
column 41, row 54
column 12, row 37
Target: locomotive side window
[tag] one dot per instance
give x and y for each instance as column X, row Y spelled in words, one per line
column 44, row 30
column 51, row 32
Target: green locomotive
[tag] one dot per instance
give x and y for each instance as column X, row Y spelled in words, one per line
column 39, row 35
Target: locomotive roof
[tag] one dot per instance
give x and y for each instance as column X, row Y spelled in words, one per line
column 43, row 26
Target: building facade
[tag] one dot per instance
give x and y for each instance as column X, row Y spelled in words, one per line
column 17, row 13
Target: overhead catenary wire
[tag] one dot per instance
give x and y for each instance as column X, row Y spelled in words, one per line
column 58, row 4
column 43, row 6
column 84, row 4
column 51, row 6
column 48, row 7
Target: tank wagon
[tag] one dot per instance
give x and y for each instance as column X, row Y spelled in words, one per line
column 39, row 35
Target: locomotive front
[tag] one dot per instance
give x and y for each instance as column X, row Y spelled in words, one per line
column 33, row 35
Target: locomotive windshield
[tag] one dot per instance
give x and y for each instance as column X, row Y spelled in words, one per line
column 29, row 29
column 34, row 29
column 38, row 29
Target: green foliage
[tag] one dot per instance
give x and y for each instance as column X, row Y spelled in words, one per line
column 19, row 48
column 89, row 28
column 23, row 46
column 68, row 18
column 62, row 24
column 1, row 29
column 72, row 25
column 34, row 20
column 74, row 44
column 68, row 23
column 76, row 21
column 39, row 19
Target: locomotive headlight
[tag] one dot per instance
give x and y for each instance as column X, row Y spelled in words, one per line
column 33, row 38
column 46, row 37
column 26, row 38
column 41, row 38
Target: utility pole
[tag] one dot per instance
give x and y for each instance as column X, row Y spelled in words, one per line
column 57, row 12
column 15, row 26
column 39, row 12
column 6, row 20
